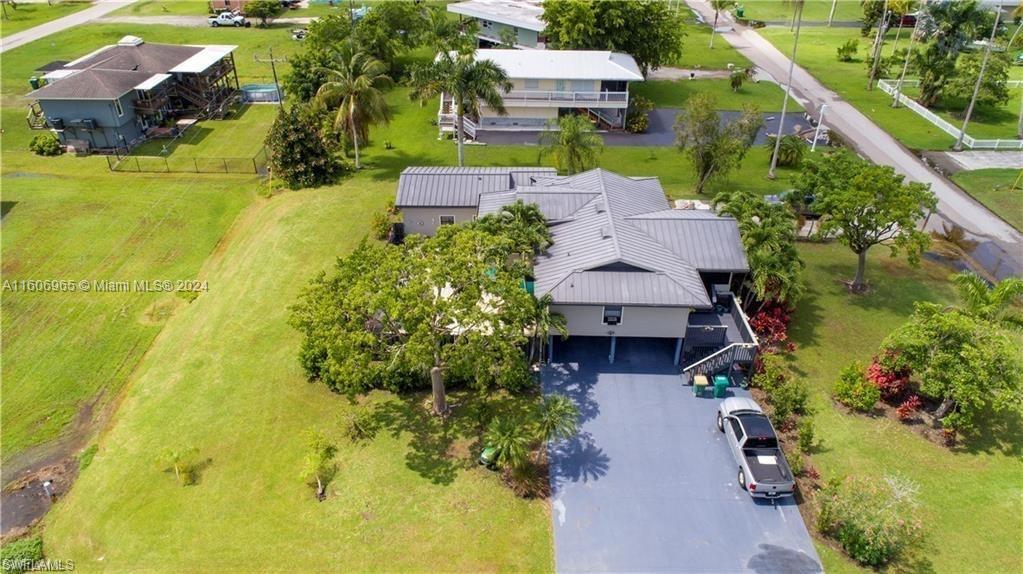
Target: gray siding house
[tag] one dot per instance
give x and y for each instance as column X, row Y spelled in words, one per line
column 110, row 99
column 622, row 262
column 495, row 17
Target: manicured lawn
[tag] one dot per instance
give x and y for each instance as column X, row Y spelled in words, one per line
column 673, row 94
column 971, row 497
column 697, row 53
column 223, row 376
column 849, row 79
column 27, row 15
column 239, row 136
column 165, row 8
column 993, row 188
column 813, row 10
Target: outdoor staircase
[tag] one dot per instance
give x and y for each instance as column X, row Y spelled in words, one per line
column 35, row 118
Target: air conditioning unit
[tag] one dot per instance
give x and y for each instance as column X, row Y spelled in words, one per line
column 611, row 320
column 56, row 123
column 89, row 124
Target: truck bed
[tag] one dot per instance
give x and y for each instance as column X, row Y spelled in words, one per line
column 767, row 465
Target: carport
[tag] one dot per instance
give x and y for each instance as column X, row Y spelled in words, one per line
column 648, row 484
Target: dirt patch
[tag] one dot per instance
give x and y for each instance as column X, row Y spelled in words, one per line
column 29, row 496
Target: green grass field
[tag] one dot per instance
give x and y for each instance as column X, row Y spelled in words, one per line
column 165, row 8
column 673, row 94
column 816, row 54
column 697, row 53
column 25, row 15
column 238, row 136
column 813, row 10
column 993, row 188
column 972, row 499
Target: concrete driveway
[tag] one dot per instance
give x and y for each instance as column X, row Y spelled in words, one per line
column 649, row 485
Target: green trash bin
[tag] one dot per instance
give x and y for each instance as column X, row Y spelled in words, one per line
column 720, row 386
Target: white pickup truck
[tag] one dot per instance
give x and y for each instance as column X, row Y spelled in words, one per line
column 763, row 470
column 228, row 19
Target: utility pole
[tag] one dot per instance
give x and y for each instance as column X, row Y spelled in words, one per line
column 788, row 91
column 905, row 64
column 273, row 66
column 882, row 27
column 831, row 15
column 980, row 78
column 817, row 132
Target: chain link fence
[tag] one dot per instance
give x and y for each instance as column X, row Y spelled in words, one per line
column 169, row 164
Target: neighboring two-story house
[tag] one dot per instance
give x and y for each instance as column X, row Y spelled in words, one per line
column 497, row 19
column 547, row 84
column 622, row 262
column 110, row 98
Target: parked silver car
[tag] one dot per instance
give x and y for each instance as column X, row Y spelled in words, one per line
column 763, row 470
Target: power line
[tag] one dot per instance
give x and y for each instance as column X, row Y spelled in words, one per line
column 273, row 66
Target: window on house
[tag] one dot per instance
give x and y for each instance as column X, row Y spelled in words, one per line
column 118, row 108
column 447, row 220
column 613, row 315
column 532, row 84
column 486, row 24
column 559, row 85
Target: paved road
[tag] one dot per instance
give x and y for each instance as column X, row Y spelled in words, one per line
column 874, row 143
column 101, row 8
column 649, row 485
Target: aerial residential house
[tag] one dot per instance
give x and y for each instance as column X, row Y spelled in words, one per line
column 496, row 17
column 112, row 98
column 622, row 262
column 547, row 84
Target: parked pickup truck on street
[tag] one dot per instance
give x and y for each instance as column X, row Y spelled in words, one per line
column 228, row 19
column 763, row 471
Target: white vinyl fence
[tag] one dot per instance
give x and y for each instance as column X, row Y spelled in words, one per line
column 889, row 87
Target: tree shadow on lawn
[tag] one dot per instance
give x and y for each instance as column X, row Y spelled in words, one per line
column 807, row 317
column 997, row 432
column 386, row 165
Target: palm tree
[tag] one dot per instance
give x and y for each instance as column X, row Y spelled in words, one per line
column 545, row 324
column 989, row 301
column 527, row 224
column 797, row 6
column 510, row 439
column 718, row 6
column 467, row 81
column 574, row 145
column 557, row 417
column 354, row 84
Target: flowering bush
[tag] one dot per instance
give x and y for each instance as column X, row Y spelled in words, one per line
column 890, row 380
column 854, row 390
column 908, row 408
column 873, row 520
column 771, row 324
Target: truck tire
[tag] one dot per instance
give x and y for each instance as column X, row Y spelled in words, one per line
column 215, row 24
column 237, row 24
column 721, row 423
column 742, row 479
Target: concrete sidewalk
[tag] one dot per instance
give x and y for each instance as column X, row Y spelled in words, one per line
column 101, row 8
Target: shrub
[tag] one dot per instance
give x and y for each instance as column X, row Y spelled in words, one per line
column 806, row 434
column 298, row 154
column 796, row 463
column 908, row 408
column 381, row 225
column 789, row 398
column 892, row 382
column 21, row 555
column 791, row 150
column 770, row 373
column 636, row 119
column 847, row 51
column 528, row 480
column 855, row 391
column 357, row 425
column 45, row 144
column 874, row 521
column 771, row 324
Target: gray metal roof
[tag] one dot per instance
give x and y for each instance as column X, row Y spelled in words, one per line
column 618, row 288
column 460, row 186
column 707, row 243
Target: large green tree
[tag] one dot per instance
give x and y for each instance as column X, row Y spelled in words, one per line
column 353, row 88
column 992, row 302
column 958, row 358
column 949, row 26
column 768, row 233
column 298, row 153
column 994, row 88
column 395, row 316
column 467, row 81
column 646, row 29
column 714, row 147
column 263, row 9
column 864, row 205
column 574, row 145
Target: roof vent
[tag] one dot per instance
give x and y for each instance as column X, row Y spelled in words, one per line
column 599, row 207
column 130, row 41
column 605, row 232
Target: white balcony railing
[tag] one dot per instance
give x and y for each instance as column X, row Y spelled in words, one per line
column 559, row 96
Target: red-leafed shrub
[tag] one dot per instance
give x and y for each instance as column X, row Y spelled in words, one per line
column 908, row 408
column 892, row 382
column 812, row 473
column 771, row 324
